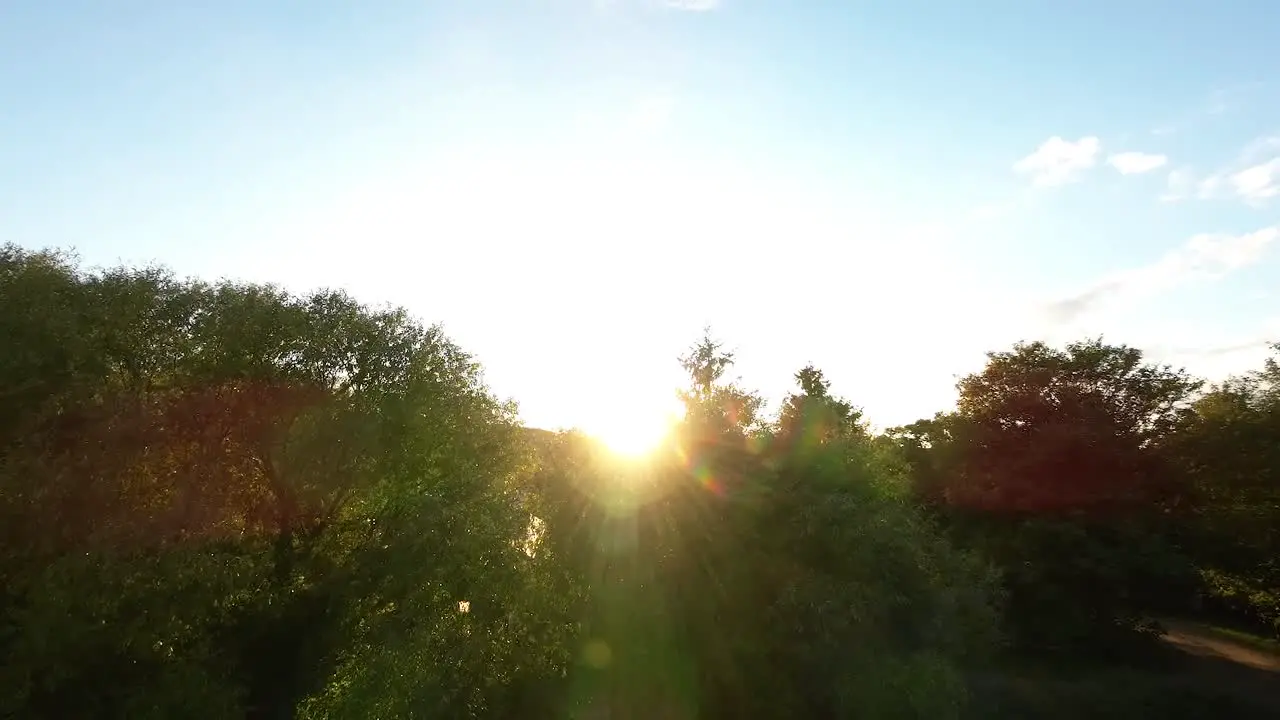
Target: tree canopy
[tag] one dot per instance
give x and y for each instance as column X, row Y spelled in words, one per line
column 226, row 500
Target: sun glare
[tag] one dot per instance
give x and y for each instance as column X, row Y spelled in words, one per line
column 633, row 437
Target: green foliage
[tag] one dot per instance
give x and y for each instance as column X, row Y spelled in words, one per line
column 218, row 499
column 1229, row 450
column 747, row 555
column 1066, row 431
column 1051, row 468
column 229, row 500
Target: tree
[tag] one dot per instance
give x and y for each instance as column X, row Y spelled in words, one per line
column 227, row 500
column 1052, row 468
column 1229, row 450
column 813, row 417
column 929, row 448
column 873, row 609
column 1067, row 430
column 714, row 409
column 754, row 553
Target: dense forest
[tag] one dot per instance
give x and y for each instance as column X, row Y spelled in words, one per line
column 224, row 500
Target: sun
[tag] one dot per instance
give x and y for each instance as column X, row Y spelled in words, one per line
column 631, row 440
column 633, row 436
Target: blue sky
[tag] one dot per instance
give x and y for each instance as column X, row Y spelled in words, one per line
column 575, row 187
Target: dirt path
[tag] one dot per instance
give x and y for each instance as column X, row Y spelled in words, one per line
column 1226, row 663
column 1205, row 642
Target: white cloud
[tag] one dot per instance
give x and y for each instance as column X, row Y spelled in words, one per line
column 1209, row 186
column 1184, row 184
column 1217, row 354
column 1232, row 98
column 1058, row 161
column 1179, row 185
column 1258, row 183
column 1265, row 146
column 1206, row 256
column 1134, row 163
column 692, row 5
column 1254, row 177
column 1214, row 255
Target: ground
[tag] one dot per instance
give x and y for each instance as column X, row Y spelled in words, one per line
column 1199, row 671
column 1237, row 664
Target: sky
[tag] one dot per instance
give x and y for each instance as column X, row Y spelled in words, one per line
column 575, row 188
